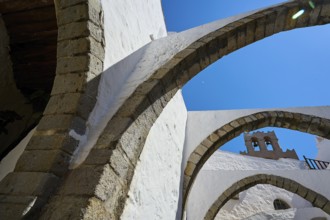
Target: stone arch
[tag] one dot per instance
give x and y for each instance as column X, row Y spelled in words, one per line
column 114, row 157
column 118, row 148
column 79, row 61
column 313, row 197
column 294, row 121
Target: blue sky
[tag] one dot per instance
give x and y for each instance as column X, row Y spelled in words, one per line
column 289, row 69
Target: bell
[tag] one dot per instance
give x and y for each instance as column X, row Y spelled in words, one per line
column 255, row 144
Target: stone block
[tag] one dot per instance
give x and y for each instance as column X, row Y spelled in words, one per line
column 121, row 165
column 260, row 28
column 304, row 123
column 311, row 196
column 279, row 181
column 291, row 23
column 65, row 207
column 194, row 158
column 326, row 208
column 204, row 59
column 74, row 13
column 188, row 55
column 132, row 141
column 189, row 169
column 270, row 24
column 78, row 64
column 73, row 30
column 325, row 12
column 186, row 183
column 250, row 32
column 83, row 45
column 79, row 12
column 213, row 137
column 98, row 157
column 194, row 69
column 320, row 201
column 69, row 83
column 51, row 161
column 314, row 15
column 313, row 127
column 182, row 79
column 157, row 105
column 96, row 210
column 113, row 131
column 293, row 187
column 232, row 41
column 87, row 177
column 146, row 87
column 63, row 104
column 207, row 143
column 65, row 3
column 28, row 184
column 235, row 124
column 69, row 144
column 45, row 142
column 241, row 36
column 88, row 99
column 302, row 191
column 324, row 128
column 109, row 186
column 72, row 64
column 55, row 122
column 280, row 20
column 80, row 29
column 201, row 150
column 228, row 128
column 221, row 133
column 130, row 105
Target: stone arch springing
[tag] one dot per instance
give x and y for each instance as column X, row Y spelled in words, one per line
column 294, row 121
column 79, row 61
column 125, row 134
column 313, row 197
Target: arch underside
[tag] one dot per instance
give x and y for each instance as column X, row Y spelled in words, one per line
column 141, row 109
column 316, row 199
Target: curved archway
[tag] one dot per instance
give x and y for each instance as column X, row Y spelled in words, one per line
column 294, row 121
column 126, row 132
column 313, row 197
column 77, row 41
column 115, row 155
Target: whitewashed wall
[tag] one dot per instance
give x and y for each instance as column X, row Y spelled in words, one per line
column 213, row 120
column 155, row 188
column 291, row 214
column 323, row 149
column 213, row 180
column 259, row 199
column 129, row 25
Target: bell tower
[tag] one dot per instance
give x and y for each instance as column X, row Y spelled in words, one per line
column 265, row 145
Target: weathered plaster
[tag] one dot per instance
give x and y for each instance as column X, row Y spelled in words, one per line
column 212, row 181
column 155, row 188
column 323, row 149
column 212, row 120
column 129, row 25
